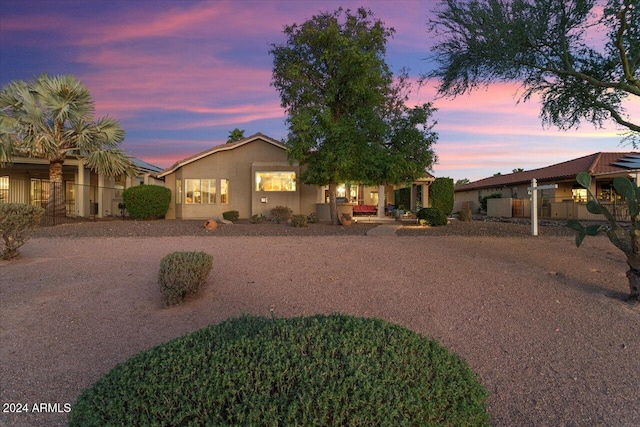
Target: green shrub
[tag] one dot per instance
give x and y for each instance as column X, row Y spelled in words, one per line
column 298, row 220
column 147, row 201
column 17, row 221
column 257, row 219
column 231, row 215
column 464, row 214
column 441, row 195
column 312, row 218
column 281, row 213
column 320, row 370
column 432, row 216
column 183, row 273
column 483, row 201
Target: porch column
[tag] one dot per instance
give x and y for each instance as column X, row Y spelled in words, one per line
column 80, row 192
column 414, row 196
column 381, row 201
column 100, row 200
column 425, row 195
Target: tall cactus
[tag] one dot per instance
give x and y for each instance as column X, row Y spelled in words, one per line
column 625, row 239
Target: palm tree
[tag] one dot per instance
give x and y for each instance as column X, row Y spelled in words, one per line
column 235, row 135
column 53, row 117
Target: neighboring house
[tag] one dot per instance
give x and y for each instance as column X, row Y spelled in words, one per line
column 568, row 200
column 254, row 175
column 26, row 180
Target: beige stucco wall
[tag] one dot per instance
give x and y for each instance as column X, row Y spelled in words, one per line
column 310, row 195
column 263, row 201
column 239, row 165
column 499, row 207
column 234, row 165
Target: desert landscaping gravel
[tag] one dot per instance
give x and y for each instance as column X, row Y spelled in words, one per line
column 543, row 323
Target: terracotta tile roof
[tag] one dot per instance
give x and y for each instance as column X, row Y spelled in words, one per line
column 595, row 164
column 221, row 147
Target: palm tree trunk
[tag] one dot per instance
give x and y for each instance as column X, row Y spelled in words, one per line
column 55, row 204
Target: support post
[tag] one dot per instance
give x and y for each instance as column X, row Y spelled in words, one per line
column 533, row 190
column 381, row 201
column 534, row 208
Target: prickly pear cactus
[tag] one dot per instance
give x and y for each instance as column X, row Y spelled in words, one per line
column 627, row 239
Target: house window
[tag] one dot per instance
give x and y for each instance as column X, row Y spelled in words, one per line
column 70, row 197
column 276, row 181
column 178, row 191
column 579, row 194
column 200, row 191
column 39, row 194
column 208, row 191
column 224, row 191
column 353, row 194
column 374, row 197
column 4, row 189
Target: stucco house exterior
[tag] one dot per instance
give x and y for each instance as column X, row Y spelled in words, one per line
column 254, row 175
column 26, row 180
column 568, row 200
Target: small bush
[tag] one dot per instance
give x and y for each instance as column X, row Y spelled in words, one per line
column 320, row 370
column 298, row 221
column 281, row 214
column 183, row 273
column 147, row 201
column 231, row 215
column 432, row 216
column 312, row 218
column 464, row 215
column 17, row 221
column 257, row 219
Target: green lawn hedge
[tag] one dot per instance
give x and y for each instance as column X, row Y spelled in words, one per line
column 320, row 370
column 147, row 201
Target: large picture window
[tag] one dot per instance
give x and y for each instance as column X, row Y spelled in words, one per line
column 276, row 181
column 200, row 191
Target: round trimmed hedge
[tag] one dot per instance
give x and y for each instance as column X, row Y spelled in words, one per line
column 320, row 370
column 433, row 216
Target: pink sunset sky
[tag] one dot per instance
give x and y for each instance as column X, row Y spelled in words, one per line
column 180, row 75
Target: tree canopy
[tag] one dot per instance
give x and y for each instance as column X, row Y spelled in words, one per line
column 52, row 118
column 552, row 47
column 347, row 117
column 235, row 135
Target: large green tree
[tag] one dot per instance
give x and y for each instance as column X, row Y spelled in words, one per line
column 52, row 118
column 347, row 117
column 580, row 59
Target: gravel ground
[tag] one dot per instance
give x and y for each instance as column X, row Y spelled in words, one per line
column 542, row 322
column 131, row 228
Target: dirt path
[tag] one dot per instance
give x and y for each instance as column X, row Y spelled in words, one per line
column 541, row 321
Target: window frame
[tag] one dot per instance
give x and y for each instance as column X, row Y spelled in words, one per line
column 198, row 194
column 289, row 178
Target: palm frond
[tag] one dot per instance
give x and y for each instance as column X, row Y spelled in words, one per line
column 52, row 117
column 111, row 162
